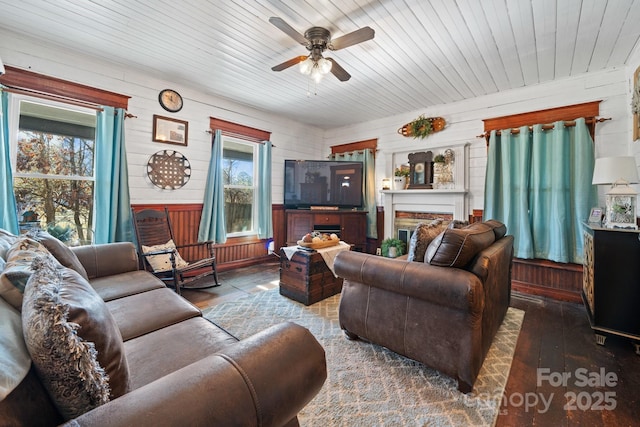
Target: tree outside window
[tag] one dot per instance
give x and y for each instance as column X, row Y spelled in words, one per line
column 54, row 171
column 239, row 186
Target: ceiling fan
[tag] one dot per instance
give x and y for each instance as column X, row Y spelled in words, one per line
column 317, row 40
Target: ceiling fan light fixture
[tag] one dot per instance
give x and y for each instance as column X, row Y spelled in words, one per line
column 316, row 73
column 307, row 65
column 325, row 65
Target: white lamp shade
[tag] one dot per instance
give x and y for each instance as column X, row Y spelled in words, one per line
column 608, row 170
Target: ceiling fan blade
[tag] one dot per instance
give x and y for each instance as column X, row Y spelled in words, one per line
column 355, row 37
column 289, row 63
column 288, row 30
column 338, row 71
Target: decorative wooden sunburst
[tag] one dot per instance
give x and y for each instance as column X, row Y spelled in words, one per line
column 168, row 169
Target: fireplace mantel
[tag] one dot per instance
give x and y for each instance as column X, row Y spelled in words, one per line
column 428, row 201
column 439, row 201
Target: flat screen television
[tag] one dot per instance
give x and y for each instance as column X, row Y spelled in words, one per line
column 322, row 183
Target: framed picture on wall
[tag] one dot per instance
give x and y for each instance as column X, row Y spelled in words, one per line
column 170, row 130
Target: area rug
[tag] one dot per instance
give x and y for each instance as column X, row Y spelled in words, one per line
column 368, row 385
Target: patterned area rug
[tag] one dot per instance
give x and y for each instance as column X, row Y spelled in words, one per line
column 367, row 384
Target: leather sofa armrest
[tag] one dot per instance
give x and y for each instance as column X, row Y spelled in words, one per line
column 446, row 286
column 264, row 380
column 107, row 259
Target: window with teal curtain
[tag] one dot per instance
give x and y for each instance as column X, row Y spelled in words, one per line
column 265, row 220
column 112, row 201
column 212, row 221
column 538, row 182
column 9, row 214
column 369, row 197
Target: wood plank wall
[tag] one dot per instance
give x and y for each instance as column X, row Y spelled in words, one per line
column 543, row 277
column 236, row 252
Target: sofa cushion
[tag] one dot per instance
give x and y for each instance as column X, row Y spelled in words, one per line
column 151, row 358
column 17, row 270
column 456, row 247
column 422, row 237
column 14, row 357
column 161, row 263
column 66, row 363
column 59, row 250
column 125, row 284
column 149, row 311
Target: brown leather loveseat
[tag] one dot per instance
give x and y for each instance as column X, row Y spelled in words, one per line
column 443, row 312
column 167, row 365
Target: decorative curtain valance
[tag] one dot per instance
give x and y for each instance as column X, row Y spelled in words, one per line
column 239, row 131
column 43, row 86
column 567, row 114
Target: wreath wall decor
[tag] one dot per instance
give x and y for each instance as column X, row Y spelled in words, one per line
column 422, row 127
column 168, row 169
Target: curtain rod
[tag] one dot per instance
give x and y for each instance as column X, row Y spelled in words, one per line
column 64, row 99
column 345, row 153
column 567, row 123
column 240, row 136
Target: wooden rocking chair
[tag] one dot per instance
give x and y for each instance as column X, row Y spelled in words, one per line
column 156, row 246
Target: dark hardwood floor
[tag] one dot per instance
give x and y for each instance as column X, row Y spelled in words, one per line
column 555, row 341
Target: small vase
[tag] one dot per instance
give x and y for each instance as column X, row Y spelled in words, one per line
column 399, row 182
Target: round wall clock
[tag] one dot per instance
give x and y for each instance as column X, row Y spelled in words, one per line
column 168, row 169
column 170, row 100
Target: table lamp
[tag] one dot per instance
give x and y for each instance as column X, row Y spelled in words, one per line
column 620, row 199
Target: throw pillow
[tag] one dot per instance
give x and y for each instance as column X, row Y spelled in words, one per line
column 17, row 270
column 14, row 357
column 162, row 262
column 499, row 229
column 73, row 340
column 456, row 247
column 60, row 251
column 456, row 223
column 421, row 238
column 6, row 240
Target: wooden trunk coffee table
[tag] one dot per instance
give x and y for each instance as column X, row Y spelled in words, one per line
column 306, row 278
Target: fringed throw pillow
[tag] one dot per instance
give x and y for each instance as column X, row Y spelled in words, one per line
column 67, row 364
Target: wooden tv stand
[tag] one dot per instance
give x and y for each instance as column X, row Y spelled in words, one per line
column 350, row 225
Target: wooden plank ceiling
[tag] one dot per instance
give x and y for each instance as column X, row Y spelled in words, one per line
column 425, row 52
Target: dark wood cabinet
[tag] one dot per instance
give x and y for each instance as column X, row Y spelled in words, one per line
column 611, row 281
column 351, row 226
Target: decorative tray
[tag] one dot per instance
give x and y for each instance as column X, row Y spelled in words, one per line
column 318, row 245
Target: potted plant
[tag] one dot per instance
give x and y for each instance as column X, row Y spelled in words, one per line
column 400, row 178
column 392, row 247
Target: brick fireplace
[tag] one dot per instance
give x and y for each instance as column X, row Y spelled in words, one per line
column 405, row 222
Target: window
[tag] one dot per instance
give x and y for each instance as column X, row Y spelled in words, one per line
column 53, row 168
column 239, row 176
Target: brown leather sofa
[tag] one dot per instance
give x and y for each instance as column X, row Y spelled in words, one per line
column 443, row 312
column 183, row 369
